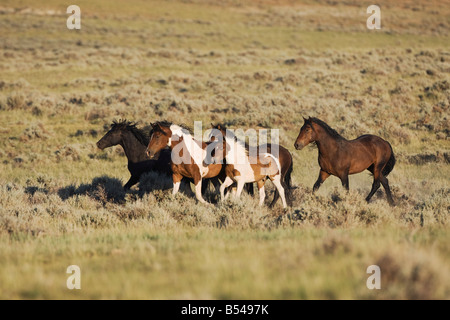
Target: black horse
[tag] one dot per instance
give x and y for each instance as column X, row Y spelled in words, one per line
column 134, row 142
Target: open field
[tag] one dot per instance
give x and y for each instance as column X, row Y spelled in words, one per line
column 253, row 64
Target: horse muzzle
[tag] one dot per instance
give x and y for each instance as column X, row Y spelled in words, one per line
column 298, row 146
column 150, row 154
column 100, row 146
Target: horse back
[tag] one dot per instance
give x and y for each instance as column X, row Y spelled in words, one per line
column 366, row 150
column 373, row 142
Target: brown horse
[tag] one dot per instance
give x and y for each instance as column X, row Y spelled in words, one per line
column 341, row 157
column 188, row 155
column 242, row 167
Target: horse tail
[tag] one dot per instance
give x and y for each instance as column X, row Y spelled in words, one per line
column 288, row 182
column 277, row 162
column 390, row 164
column 287, row 178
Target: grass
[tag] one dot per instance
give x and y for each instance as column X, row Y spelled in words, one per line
column 255, row 65
column 197, row 263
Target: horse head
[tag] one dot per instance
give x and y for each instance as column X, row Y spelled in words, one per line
column 114, row 136
column 306, row 135
column 160, row 139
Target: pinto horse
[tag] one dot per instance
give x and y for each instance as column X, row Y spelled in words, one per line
column 134, row 142
column 188, row 155
column 341, row 157
column 242, row 168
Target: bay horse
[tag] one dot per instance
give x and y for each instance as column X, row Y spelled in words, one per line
column 242, row 168
column 134, row 142
column 188, row 155
column 341, row 157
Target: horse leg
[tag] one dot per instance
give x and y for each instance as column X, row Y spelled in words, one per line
column 322, row 177
column 375, row 187
column 344, row 180
column 275, row 198
column 198, row 188
column 176, row 178
column 205, row 185
column 216, row 184
column 385, row 183
column 228, row 182
column 287, row 192
column 240, row 185
column 230, row 190
column 249, row 188
column 262, row 193
column 378, row 177
column 277, row 182
column 133, row 180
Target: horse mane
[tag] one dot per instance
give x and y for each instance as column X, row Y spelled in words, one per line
column 167, row 124
column 234, row 137
column 129, row 126
column 327, row 128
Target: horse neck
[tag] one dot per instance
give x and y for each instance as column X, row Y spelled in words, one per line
column 236, row 148
column 194, row 147
column 134, row 149
column 327, row 144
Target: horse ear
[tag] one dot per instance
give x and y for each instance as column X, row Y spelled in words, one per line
column 304, row 119
column 157, row 126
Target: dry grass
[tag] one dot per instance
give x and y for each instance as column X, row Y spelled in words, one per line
column 263, row 64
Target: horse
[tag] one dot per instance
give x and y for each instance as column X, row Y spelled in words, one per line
column 341, row 157
column 188, row 155
column 242, row 168
column 134, row 143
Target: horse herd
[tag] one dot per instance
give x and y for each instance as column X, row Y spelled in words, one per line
column 228, row 162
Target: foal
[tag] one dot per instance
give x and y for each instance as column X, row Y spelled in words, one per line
column 188, row 155
column 243, row 168
column 341, row 157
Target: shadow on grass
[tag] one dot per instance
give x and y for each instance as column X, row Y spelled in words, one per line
column 154, row 181
column 31, row 190
column 110, row 190
column 103, row 189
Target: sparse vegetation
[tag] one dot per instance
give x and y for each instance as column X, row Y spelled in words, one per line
column 258, row 64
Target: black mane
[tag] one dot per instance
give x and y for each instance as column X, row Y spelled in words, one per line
column 325, row 126
column 131, row 127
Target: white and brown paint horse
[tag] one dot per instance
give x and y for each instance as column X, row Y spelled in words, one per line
column 243, row 167
column 188, row 155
